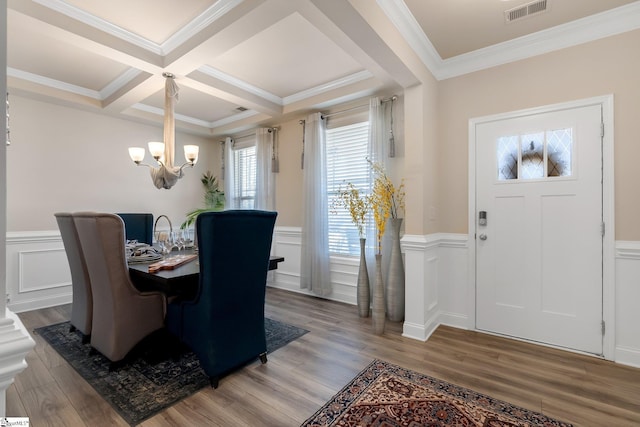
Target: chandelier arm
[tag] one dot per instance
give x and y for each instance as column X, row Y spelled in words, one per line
column 185, row 165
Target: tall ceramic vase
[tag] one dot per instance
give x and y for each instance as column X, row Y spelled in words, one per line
column 395, row 275
column 363, row 292
column 377, row 311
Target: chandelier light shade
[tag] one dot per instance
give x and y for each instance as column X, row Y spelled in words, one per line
column 166, row 175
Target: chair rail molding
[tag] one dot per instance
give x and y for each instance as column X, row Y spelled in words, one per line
column 437, row 277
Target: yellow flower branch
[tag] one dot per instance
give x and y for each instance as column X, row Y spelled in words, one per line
column 386, row 200
column 357, row 204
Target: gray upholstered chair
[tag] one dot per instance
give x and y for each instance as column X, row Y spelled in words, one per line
column 82, row 303
column 138, row 226
column 224, row 323
column 122, row 315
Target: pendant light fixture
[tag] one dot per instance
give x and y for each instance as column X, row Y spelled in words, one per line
column 166, row 175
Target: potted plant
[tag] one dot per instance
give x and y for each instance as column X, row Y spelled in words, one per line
column 213, row 199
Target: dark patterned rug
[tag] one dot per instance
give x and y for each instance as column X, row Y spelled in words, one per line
column 388, row 395
column 150, row 382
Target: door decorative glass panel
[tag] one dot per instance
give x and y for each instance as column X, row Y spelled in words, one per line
column 536, row 155
column 559, row 148
column 508, row 157
column 532, row 156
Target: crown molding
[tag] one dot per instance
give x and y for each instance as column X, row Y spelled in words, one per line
column 119, row 82
column 320, row 89
column 206, row 18
column 240, row 84
column 234, row 118
column 210, row 15
column 102, row 25
column 180, row 117
column 605, row 24
column 52, row 83
column 405, row 22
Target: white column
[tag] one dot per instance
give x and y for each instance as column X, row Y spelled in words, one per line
column 15, row 341
column 421, row 287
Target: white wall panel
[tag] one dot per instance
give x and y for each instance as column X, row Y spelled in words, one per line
column 38, row 273
column 436, row 269
column 627, row 302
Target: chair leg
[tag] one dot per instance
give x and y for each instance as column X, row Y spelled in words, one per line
column 214, row 382
column 263, row 357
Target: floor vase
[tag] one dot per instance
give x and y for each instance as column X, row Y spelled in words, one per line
column 377, row 311
column 395, row 275
column 363, row 291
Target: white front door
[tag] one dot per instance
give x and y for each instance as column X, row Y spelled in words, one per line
column 539, row 256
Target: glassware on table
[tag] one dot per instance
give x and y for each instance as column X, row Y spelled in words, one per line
column 191, row 238
column 179, row 239
column 164, row 241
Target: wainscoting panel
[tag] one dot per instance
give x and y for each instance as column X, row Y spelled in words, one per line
column 33, row 277
column 436, row 283
column 453, row 280
column 436, row 270
column 344, row 271
column 38, row 273
column 627, row 303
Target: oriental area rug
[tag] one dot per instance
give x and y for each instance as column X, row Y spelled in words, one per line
column 388, row 395
column 146, row 384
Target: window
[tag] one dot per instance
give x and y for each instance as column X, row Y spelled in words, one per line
column 244, row 173
column 536, row 155
column 347, row 148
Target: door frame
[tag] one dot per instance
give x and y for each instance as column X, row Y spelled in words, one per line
column 608, row 212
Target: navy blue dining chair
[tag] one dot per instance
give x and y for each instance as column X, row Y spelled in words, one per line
column 224, row 323
column 138, row 226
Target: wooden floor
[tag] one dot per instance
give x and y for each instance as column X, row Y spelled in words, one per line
column 300, row 377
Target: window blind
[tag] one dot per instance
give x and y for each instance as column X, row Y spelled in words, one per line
column 244, row 177
column 347, row 148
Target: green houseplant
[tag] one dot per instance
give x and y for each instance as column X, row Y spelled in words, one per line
column 213, row 199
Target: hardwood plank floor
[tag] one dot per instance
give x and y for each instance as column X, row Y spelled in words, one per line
column 300, row 377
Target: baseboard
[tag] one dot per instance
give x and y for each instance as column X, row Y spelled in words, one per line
column 628, row 356
column 455, row 320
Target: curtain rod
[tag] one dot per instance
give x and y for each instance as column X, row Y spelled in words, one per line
column 357, row 107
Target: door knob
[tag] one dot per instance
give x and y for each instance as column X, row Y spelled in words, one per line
column 483, row 237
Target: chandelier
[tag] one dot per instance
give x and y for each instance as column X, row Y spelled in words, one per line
column 166, row 175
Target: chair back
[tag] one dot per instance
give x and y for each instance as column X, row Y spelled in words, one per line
column 138, row 226
column 225, row 326
column 82, row 303
column 122, row 316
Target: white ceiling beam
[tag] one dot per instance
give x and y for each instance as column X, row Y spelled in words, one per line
column 349, row 20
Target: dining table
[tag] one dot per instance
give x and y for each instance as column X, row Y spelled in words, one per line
column 181, row 281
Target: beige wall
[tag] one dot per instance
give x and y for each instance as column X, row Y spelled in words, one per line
column 607, row 66
column 289, row 179
column 65, row 159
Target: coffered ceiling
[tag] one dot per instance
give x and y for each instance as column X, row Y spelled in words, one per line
column 242, row 63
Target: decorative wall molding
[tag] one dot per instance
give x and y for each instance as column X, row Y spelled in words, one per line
column 628, row 250
column 38, row 272
column 435, row 276
column 609, row 23
column 436, row 269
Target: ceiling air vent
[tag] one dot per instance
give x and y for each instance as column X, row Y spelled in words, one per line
column 528, row 9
